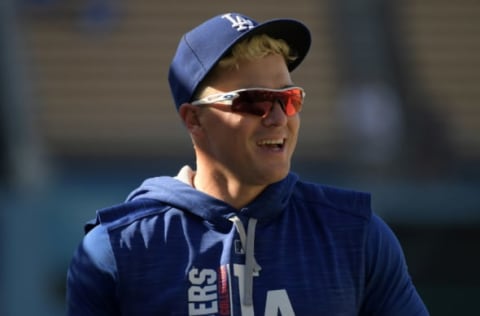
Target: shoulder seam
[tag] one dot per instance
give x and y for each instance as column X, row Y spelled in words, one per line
column 354, row 203
column 129, row 212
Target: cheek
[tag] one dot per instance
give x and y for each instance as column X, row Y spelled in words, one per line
column 225, row 131
column 294, row 124
column 293, row 127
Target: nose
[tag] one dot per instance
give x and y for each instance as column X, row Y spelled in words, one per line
column 276, row 116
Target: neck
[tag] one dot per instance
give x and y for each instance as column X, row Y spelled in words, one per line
column 226, row 187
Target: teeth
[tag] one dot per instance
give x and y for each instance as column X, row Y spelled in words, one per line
column 271, row 142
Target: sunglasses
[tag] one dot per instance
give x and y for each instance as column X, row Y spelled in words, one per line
column 258, row 101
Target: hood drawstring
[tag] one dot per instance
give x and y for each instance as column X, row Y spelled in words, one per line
column 251, row 266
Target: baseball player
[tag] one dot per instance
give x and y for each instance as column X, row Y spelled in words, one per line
column 239, row 233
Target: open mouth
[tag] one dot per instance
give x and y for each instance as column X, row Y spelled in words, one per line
column 272, row 143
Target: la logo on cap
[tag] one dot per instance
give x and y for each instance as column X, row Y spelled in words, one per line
column 239, row 22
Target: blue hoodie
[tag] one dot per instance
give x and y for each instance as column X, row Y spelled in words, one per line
column 298, row 249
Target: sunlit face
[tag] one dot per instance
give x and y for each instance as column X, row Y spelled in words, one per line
column 250, row 149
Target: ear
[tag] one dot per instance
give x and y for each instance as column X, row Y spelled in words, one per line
column 190, row 117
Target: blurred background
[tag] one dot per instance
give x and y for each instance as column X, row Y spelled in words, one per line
column 393, row 91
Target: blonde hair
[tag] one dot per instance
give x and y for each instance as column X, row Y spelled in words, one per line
column 251, row 48
column 257, row 46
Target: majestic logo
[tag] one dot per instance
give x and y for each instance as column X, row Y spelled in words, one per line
column 239, row 22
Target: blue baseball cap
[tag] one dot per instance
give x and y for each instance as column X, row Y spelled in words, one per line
column 200, row 49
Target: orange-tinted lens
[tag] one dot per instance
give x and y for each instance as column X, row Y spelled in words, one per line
column 259, row 102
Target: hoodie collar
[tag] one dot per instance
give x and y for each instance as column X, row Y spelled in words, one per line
column 179, row 193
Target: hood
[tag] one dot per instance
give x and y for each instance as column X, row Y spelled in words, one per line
column 179, row 193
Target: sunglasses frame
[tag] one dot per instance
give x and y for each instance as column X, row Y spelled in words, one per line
column 227, row 98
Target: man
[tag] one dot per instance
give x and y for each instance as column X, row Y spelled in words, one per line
column 240, row 234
